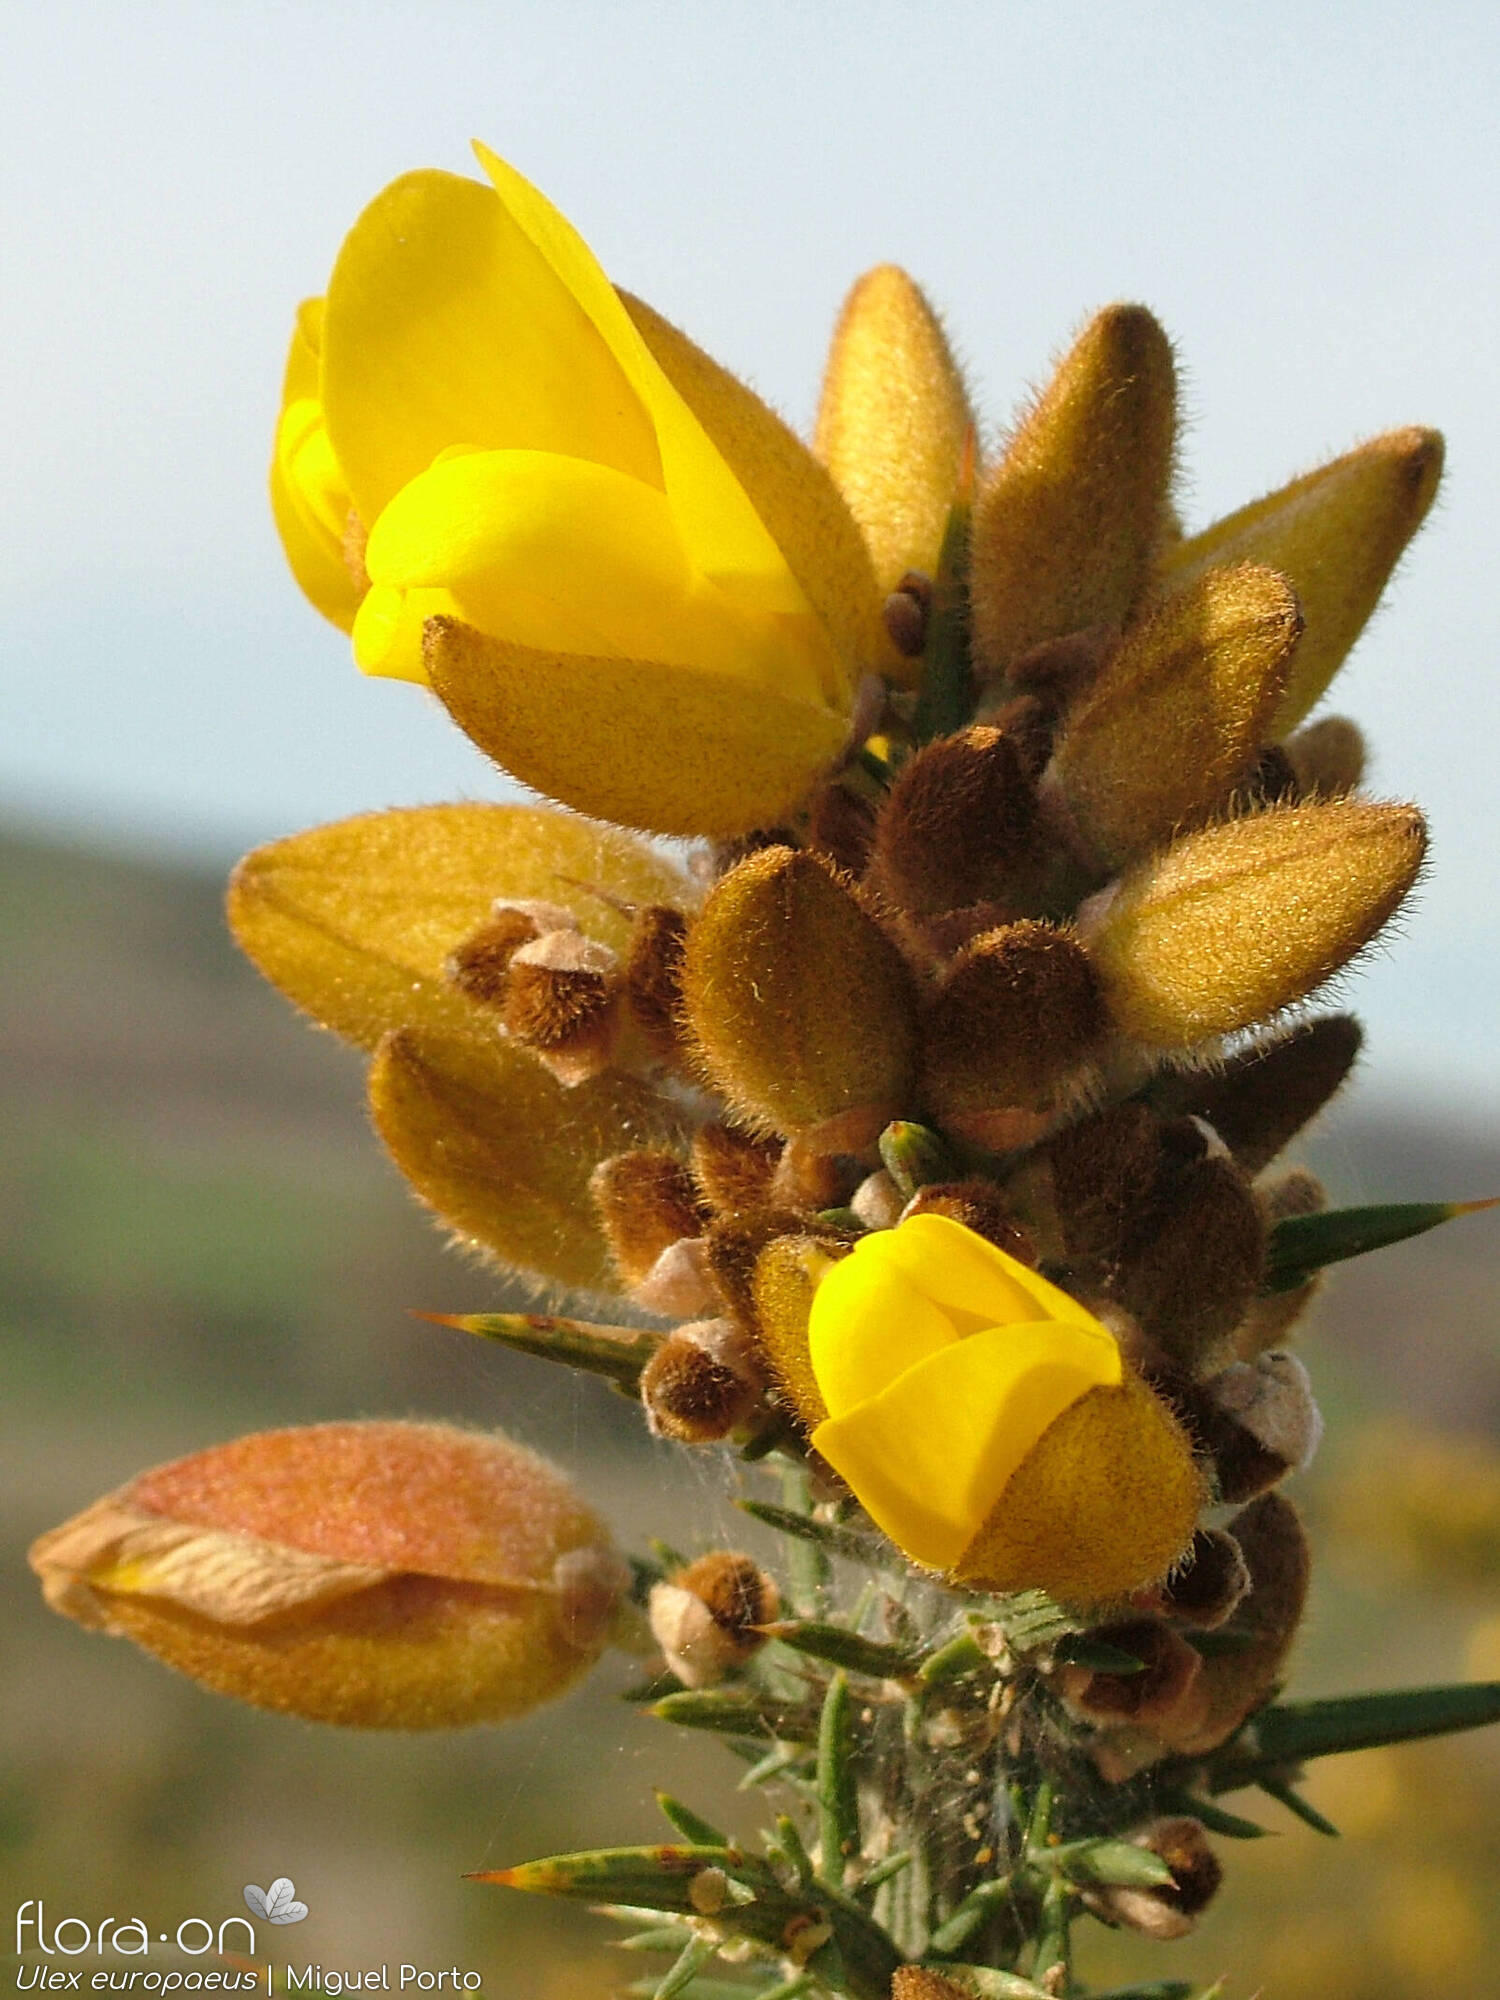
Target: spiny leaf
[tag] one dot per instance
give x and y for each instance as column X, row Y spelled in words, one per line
column 728, row 1713
column 989, row 1984
column 838, row 1541
column 838, row 1797
column 1293, row 1731
column 874, row 1658
column 960, row 1656
column 1294, row 1802
column 1302, row 1244
column 688, row 1823
column 652, row 1878
column 970, row 1914
column 1030, row 1619
column 665, row 1937
column 946, row 700
column 695, row 1955
column 617, row 1352
column 1188, row 1805
column 789, row 1840
column 1117, row 1862
column 775, row 1764
column 883, row 1872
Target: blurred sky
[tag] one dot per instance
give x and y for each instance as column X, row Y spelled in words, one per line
column 1308, row 200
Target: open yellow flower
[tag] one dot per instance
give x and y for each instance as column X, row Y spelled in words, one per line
column 988, row 1423
column 625, row 577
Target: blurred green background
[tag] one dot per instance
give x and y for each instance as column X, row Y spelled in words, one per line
column 200, row 1237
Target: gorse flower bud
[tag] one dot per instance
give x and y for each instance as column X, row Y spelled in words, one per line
column 388, row 1575
column 987, row 1421
column 707, row 1618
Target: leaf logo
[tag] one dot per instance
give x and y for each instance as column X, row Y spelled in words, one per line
column 278, row 1904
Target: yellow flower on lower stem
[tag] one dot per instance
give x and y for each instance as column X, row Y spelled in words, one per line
column 626, row 578
column 988, row 1422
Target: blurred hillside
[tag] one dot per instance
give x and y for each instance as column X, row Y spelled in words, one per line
column 199, row 1237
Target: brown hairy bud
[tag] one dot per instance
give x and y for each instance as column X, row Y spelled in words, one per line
column 1169, row 1910
column 561, row 1001
column 705, row 1618
column 1207, row 1587
column 1026, row 721
column 1336, row 535
column 1256, row 1422
column 1061, row 670
column 906, row 612
column 1262, row 1097
column 697, row 1387
column 1017, row 1016
column 1066, row 525
column 479, row 965
column 734, row 1244
column 1193, row 1256
column 733, row 1169
column 979, row 1205
column 785, row 1277
column 645, row 1200
column 1237, row 921
column 1237, row 1680
column 916, row 1982
column 1169, row 1669
column 801, row 1006
column 1178, row 715
column 1271, row 782
column 958, row 825
column 653, row 978
column 841, row 825
column 1098, row 1169
column 1327, row 757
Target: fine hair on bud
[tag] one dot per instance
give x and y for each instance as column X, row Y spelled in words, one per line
column 1167, row 1910
column 1067, row 523
column 707, row 1618
column 1206, row 1587
column 1194, row 1253
column 979, row 1205
column 1239, row 920
column 645, row 1201
column 479, row 965
column 692, row 1396
column 1178, row 715
column 1019, row 1012
column 652, row 976
column 1326, row 757
column 733, row 1170
column 800, row 1006
column 841, row 825
column 958, row 826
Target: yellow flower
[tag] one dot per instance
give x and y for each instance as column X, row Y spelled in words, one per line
column 988, row 1423
column 624, row 576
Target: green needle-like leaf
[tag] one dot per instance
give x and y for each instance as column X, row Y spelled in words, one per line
column 732, row 1713
column 970, row 1914
column 990, row 1984
column 1117, row 1862
column 650, row 1878
column 960, row 1656
column 1295, row 1803
column 688, row 1823
column 838, row 1797
column 1188, row 1805
column 874, row 1658
column 695, row 1955
column 1294, row 1731
column 617, row 1352
column 838, row 1541
column 946, row 700
column 1302, row 1244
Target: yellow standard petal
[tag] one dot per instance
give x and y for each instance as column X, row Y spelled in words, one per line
column 310, row 498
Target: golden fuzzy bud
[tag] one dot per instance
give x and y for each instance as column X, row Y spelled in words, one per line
column 786, row 1276
column 892, row 421
column 1017, row 1016
column 1237, row 921
column 1066, row 525
column 1335, row 534
column 1178, row 716
column 801, row 1006
column 385, row 1575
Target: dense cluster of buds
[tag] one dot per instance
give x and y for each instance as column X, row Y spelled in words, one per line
column 920, row 1123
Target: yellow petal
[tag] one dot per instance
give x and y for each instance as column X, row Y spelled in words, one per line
column 445, row 324
column 870, row 1322
column 975, row 1279
column 569, row 556
column 792, row 493
column 1337, row 534
column 726, row 538
column 354, row 921
column 309, row 495
column 931, row 1454
column 893, row 420
column 503, row 1153
column 643, row 743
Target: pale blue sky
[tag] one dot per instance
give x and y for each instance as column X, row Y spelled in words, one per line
column 1309, row 202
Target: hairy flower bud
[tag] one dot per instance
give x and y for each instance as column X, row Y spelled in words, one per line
column 1263, row 1096
column 1179, row 714
column 785, row 1278
column 652, row 975
column 892, row 421
column 958, row 827
column 707, row 1617
column 702, row 1383
column 646, row 1201
column 1336, row 534
column 386, row 1575
column 1166, row 1910
column 561, row 1001
column 1237, row 921
column 1168, row 1670
column 1017, row 1016
column 800, row 1004
column 1327, row 757
column 1193, row 1255
column 1067, row 523
column 1207, row 1586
